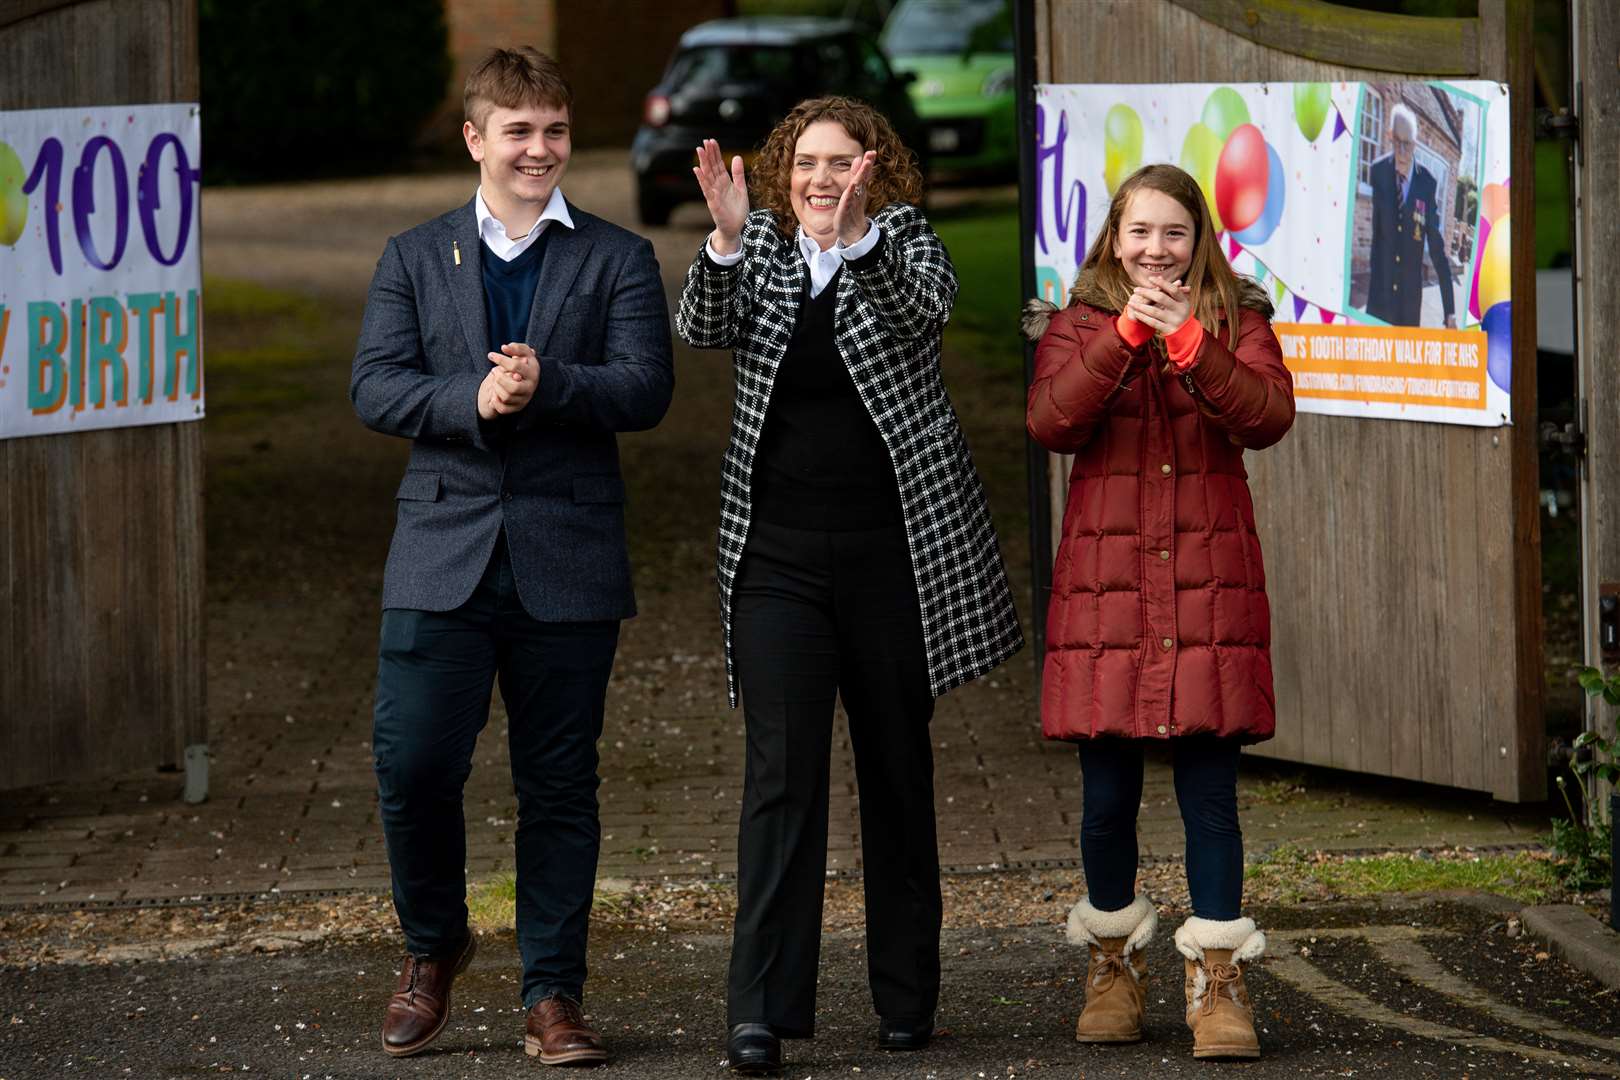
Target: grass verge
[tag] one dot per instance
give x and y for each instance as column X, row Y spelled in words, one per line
column 1290, row 874
column 983, row 242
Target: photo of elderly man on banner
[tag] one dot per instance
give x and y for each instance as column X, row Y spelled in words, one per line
column 1405, row 171
column 1374, row 215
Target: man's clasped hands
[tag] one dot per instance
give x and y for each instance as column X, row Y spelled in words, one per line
column 510, row 383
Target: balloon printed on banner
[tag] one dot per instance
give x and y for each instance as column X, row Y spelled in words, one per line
column 13, row 202
column 1311, row 104
column 1200, row 153
column 1498, row 326
column 1496, row 265
column 1271, row 214
column 1225, row 112
column 1241, row 175
column 1493, row 202
column 1122, row 145
column 1479, row 261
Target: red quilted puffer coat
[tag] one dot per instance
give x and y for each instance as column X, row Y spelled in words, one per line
column 1158, row 624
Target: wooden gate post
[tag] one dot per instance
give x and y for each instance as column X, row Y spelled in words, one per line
column 101, row 532
column 1595, row 30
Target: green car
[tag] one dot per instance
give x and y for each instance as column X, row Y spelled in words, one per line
column 961, row 54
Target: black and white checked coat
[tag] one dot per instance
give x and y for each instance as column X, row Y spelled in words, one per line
column 890, row 314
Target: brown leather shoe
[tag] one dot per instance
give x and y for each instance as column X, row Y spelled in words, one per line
column 556, row 1032
column 419, row 1008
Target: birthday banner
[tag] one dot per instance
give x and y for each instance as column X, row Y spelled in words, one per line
column 1375, row 215
column 100, row 274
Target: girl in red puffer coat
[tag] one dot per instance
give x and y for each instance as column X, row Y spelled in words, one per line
column 1162, row 370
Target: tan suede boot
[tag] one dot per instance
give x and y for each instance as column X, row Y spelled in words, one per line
column 1218, row 1007
column 1116, row 974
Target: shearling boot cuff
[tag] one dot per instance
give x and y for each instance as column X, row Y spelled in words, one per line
column 1240, row 935
column 1135, row 923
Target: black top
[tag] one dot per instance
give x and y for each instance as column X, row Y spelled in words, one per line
column 509, row 291
column 821, row 463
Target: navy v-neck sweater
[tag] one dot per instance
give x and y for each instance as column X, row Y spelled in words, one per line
column 509, row 290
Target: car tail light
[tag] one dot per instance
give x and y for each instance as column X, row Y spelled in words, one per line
column 656, row 111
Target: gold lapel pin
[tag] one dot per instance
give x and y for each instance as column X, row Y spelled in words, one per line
column 455, row 248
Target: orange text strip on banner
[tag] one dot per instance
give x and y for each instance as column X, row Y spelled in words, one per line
column 1398, row 365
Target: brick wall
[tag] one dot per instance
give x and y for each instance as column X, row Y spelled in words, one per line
column 612, row 51
column 476, row 26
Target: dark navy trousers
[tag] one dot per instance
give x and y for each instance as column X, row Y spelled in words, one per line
column 1205, row 770
column 434, row 679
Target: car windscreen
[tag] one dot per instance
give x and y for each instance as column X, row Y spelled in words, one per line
column 710, row 65
column 949, row 27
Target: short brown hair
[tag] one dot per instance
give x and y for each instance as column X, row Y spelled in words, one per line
column 1213, row 283
column 513, row 78
column 894, row 176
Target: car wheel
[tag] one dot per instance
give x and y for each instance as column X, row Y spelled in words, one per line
column 652, row 208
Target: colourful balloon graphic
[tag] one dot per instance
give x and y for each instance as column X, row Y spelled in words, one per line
column 1225, row 112
column 1240, row 178
column 1122, row 145
column 1493, row 202
column 1200, row 152
column 1311, row 104
column 1479, row 261
column 13, row 203
column 1276, row 191
column 1495, row 269
column 1498, row 325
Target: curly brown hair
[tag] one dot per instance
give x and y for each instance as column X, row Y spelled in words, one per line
column 894, row 176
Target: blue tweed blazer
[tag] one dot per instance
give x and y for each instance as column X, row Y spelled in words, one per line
column 550, row 474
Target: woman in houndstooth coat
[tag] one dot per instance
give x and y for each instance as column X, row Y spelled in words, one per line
column 857, row 558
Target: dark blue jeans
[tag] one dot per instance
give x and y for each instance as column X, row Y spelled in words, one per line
column 1206, row 790
column 434, row 678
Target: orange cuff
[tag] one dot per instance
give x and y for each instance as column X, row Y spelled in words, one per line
column 1135, row 334
column 1183, row 344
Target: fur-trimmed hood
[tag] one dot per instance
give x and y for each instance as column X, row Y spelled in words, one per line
column 1037, row 314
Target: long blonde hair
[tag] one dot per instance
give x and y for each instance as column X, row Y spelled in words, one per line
column 1213, row 283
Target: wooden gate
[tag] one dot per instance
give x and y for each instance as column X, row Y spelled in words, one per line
column 1403, row 559
column 1595, row 33
column 101, row 534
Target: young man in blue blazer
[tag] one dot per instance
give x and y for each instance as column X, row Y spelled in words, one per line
column 508, row 340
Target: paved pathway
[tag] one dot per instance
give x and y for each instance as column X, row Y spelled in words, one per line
column 292, row 809
column 1418, row 990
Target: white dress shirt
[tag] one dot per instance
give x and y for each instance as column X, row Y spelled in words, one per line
column 823, row 264
column 493, row 232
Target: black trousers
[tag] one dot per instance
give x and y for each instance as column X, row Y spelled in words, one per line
column 434, row 678
column 815, row 616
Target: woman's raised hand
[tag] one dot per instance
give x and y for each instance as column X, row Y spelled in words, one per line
column 726, row 193
column 850, row 219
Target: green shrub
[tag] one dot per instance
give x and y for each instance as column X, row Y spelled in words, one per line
column 304, row 88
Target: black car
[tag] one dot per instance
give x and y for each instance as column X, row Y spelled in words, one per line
column 734, row 79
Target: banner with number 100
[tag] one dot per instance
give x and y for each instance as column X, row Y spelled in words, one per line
column 100, row 273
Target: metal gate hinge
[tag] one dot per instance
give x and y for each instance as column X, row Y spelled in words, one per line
column 1568, row 437
column 1558, row 124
